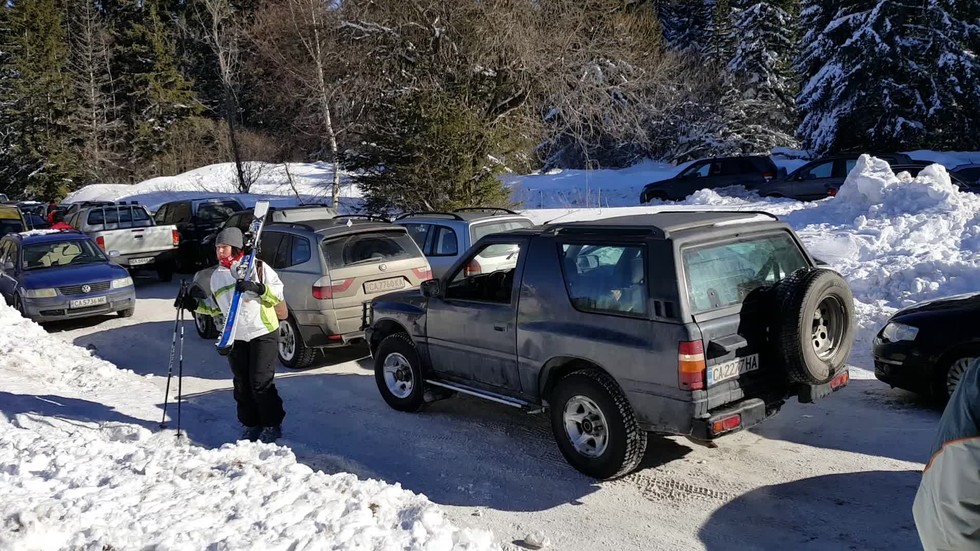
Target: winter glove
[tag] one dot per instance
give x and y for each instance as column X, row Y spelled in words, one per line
column 186, row 302
column 250, row 287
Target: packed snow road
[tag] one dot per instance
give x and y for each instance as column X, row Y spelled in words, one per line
column 840, row 474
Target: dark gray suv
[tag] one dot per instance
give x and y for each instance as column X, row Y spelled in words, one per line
column 686, row 323
column 749, row 172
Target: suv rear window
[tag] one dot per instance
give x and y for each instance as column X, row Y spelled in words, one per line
column 362, row 248
column 217, row 212
column 479, row 231
column 720, row 275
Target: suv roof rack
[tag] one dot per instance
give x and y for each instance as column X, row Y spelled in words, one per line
column 487, row 209
column 433, row 214
column 365, row 216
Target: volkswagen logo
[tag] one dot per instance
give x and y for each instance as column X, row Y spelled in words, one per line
column 382, row 267
column 86, row 288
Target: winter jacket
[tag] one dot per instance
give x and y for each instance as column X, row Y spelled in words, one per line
column 256, row 315
column 61, row 226
column 947, row 505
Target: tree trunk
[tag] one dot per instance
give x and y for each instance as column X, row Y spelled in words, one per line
column 231, row 115
column 325, row 110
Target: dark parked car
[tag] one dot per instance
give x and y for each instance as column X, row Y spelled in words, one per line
column 62, row 275
column 820, row 178
column 750, row 172
column 969, row 173
column 927, row 347
column 195, row 220
column 690, row 323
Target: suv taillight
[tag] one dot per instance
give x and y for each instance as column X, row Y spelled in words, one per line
column 327, row 291
column 768, row 175
column 176, row 236
column 424, row 273
column 832, row 192
column 100, row 241
column 473, row 268
column 690, row 365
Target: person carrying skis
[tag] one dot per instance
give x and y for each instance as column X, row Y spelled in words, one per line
column 256, row 345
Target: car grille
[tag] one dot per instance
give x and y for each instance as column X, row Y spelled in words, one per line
column 77, row 289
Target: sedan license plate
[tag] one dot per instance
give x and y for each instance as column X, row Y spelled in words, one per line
column 140, row 261
column 732, row 369
column 83, row 302
column 390, row 284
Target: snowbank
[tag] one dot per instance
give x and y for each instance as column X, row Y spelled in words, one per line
column 71, row 482
column 311, row 183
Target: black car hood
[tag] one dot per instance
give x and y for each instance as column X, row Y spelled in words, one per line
column 953, row 305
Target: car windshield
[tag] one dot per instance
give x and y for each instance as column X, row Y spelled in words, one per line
column 217, row 212
column 363, row 248
column 724, row 274
column 479, row 231
column 52, row 254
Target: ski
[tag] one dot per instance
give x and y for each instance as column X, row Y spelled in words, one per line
column 246, row 268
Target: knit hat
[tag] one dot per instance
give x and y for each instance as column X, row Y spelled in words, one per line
column 230, row 236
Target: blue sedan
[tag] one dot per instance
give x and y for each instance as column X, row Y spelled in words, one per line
column 52, row 275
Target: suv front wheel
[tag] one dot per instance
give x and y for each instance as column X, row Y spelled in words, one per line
column 595, row 426
column 398, row 373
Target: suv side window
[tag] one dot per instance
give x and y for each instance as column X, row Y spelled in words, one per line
column 161, row 216
column 180, row 213
column 444, row 241
column 606, row 279
column 269, row 247
column 419, row 233
column 486, row 282
column 697, row 170
column 301, row 251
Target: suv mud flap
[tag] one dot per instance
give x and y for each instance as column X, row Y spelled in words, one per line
column 811, row 393
column 750, row 412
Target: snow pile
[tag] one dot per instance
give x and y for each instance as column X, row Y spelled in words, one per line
column 283, row 184
column 72, row 483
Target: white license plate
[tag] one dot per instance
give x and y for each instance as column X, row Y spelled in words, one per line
column 83, row 302
column 140, row 261
column 390, row 284
column 732, row 369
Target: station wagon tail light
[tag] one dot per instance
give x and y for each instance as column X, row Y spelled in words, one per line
column 726, row 424
column 325, row 288
column 176, row 236
column 690, row 365
column 473, row 268
column 424, row 273
column 100, row 241
column 832, row 192
column 768, row 175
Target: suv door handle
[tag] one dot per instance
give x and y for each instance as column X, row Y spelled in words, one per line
column 500, row 328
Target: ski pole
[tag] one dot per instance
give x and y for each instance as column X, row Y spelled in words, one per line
column 180, row 365
column 173, row 348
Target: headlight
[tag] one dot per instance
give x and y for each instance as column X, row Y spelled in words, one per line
column 40, row 293
column 122, row 282
column 895, row 332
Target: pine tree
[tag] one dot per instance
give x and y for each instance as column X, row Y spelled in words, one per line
column 687, row 24
column 155, row 95
column 97, row 120
column 39, row 105
column 898, row 77
column 721, row 46
column 814, row 48
column 762, row 63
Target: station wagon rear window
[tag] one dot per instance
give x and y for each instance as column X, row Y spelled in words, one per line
column 364, row 248
column 724, row 274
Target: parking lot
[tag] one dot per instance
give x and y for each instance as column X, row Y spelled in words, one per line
column 838, row 474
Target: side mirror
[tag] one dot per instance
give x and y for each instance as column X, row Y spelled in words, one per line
column 113, row 253
column 430, row 288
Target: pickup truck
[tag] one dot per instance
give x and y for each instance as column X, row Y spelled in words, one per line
column 128, row 233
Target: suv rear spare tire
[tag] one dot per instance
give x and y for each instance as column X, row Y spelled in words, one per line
column 595, row 426
column 815, row 335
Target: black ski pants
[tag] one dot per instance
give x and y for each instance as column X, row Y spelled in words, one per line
column 253, row 364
